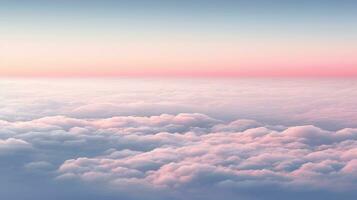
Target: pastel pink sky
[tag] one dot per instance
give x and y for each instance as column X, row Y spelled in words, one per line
column 225, row 39
column 181, row 57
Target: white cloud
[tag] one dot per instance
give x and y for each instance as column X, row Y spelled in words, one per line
column 325, row 103
column 187, row 150
column 130, row 139
column 13, row 145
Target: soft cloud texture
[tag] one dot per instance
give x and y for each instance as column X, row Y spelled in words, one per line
column 12, row 145
column 163, row 140
column 326, row 103
column 185, row 156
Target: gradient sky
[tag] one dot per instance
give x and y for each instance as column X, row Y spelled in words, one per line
column 178, row 38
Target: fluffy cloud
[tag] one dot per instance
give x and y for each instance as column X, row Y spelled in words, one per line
column 326, row 103
column 13, row 145
column 185, row 155
column 297, row 155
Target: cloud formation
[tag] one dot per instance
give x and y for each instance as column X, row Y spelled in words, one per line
column 185, row 156
column 326, row 103
column 13, row 145
column 178, row 139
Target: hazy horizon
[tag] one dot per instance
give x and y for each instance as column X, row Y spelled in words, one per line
column 178, row 100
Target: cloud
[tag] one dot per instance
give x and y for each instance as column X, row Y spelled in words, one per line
column 40, row 166
column 13, row 145
column 178, row 139
column 258, row 155
column 326, row 103
column 184, row 156
column 178, row 152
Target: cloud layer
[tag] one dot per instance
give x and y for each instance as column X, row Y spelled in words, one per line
column 326, row 103
column 183, row 156
column 178, row 139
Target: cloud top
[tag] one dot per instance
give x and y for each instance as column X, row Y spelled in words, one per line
column 182, row 156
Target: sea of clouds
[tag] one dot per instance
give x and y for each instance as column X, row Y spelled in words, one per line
column 178, row 139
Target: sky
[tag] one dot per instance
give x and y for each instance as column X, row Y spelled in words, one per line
column 178, row 99
column 178, row 38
